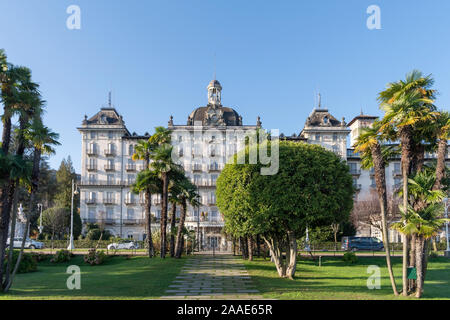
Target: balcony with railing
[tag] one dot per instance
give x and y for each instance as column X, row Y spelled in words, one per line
column 130, row 167
column 197, row 167
column 133, row 221
column 205, row 183
column 91, row 167
column 352, row 154
column 110, row 167
column 90, row 201
column 130, row 201
column 355, row 172
column 396, row 172
column 110, row 153
column 105, row 183
column 92, row 152
column 109, row 201
column 215, row 167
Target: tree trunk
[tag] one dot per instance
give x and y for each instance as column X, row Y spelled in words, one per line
column 173, row 215
column 412, row 261
column 7, row 200
column 178, row 245
column 419, row 265
column 276, row 256
column 250, row 247
column 148, row 218
column 11, row 241
column 406, row 143
column 380, row 180
column 164, row 215
column 258, row 245
column 292, row 254
column 440, row 166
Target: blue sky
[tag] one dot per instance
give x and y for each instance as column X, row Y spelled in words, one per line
column 272, row 57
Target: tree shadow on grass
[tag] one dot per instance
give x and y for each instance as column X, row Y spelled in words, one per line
column 337, row 280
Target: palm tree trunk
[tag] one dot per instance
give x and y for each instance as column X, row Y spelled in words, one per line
column 412, row 261
column 172, row 229
column 148, row 218
column 440, row 166
column 178, row 243
column 164, row 215
column 380, row 180
column 406, row 142
column 419, row 265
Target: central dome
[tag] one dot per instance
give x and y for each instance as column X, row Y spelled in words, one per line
column 224, row 116
column 214, row 114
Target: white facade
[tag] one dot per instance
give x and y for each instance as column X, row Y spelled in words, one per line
column 107, row 170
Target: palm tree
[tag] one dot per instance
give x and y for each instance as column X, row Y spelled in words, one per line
column 369, row 146
column 188, row 194
column 148, row 183
column 175, row 178
column 163, row 164
column 442, row 130
column 422, row 221
column 408, row 104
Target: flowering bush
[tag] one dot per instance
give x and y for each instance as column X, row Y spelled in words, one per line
column 95, row 257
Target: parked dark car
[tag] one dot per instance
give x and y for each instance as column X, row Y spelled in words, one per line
column 362, row 243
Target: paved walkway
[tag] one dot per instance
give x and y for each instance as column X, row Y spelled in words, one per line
column 208, row 277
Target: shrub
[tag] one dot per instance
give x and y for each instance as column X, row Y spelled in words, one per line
column 349, row 257
column 39, row 256
column 28, row 263
column 61, row 256
column 95, row 257
column 433, row 255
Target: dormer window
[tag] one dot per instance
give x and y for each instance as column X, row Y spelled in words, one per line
column 325, row 120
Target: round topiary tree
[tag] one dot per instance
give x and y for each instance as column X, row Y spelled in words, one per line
column 312, row 188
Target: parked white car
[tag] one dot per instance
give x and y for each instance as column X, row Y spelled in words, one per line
column 127, row 245
column 29, row 244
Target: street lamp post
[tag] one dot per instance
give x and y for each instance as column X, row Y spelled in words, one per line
column 74, row 192
column 41, row 228
column 447, row 252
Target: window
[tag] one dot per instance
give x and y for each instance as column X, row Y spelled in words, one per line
column 131, row 149
column 110, row 134
column 91, row 214
column 130, row 214
column 397, row 167
column 130, row 178
column 92, row 148
column 197, row 179
column 110, row 196
column 335, row 137
column 317, row 137
column 93, row 134
column 352, row 167
column 213, row 215
column 109, row 213
column 110, row 179
column 92, row 196
column 92, row 178
column 372, row 182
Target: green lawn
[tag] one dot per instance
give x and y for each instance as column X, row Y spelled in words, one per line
column 117, row 278
column 336, row 280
